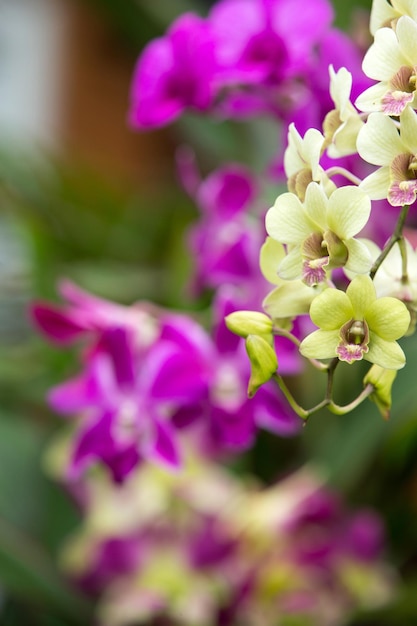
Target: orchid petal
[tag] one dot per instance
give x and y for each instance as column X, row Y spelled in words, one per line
column 387, row 354
column 349, row 211
column 321, row 344
column 331, row 309
column 388, row 317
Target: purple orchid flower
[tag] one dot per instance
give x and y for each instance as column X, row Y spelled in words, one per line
column 86, row 315
column 275, row 38
column 174, row 73
column 226, row 240
column 128, row 397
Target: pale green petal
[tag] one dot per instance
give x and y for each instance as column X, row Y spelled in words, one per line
column 370, row 99
column 361, row 293
column 271, row 255
column 408, row 130
column 378, row 140
column 286, row 221
column 384, row 58
column 377, row 184
column 388, row 317
column 321, row 344
column 387, row 354
column 406, row 31
column 316, row 203
column 291, row 265
column 289, row 300
column 331, row 309
column 348, row 212
column 359, row 257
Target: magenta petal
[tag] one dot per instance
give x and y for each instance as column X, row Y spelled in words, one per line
column 173, row 73
column 96, row 387
column 164, row 449
column 96, row 442
column 72, row 396
column 175, row 375
column 227, row 192
column 365, row 535
column 234, row 430
column 117, row 343
column 152, row 105
column 309, row 21
column 60, row 326
column 79, row 298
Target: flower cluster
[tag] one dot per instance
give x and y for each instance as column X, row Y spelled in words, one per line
column 359, row 292
column 148, row 375
column 157, row 389
column 202, row 547
column 262, row 67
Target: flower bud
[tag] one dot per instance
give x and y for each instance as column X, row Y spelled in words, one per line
column 245, row 323
column 381, row 379
column 263, row 360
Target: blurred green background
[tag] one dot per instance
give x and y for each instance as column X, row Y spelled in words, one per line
column 101, row 205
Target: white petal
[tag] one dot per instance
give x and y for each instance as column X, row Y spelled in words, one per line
column 340, row 86
column 384, row 58
column 316, row 203
column 381, row 14
column 286, row 221
column 271, row 255
column 406, row 31
column 303, row 152
column 359, row 259
column 291, row 265
column 408, row 130
column 370, row 99
column 349, row 211
column 378, row 140
column 344, row 139
column 376, row 185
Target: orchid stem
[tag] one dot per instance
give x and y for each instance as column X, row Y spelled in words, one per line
column 342, row 410
column 396, row 236
column 303, row 413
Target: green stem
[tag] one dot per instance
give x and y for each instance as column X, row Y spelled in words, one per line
column 342, row 410
column 404, row 265
column 303, row 413
column 331, row 368
column 396, row 236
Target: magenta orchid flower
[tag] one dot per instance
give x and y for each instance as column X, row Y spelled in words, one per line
column 174, row 73
column 127, row 398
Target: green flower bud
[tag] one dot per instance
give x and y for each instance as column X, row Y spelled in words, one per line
column 381, row 379
column 245, row 323
column 263, row 360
